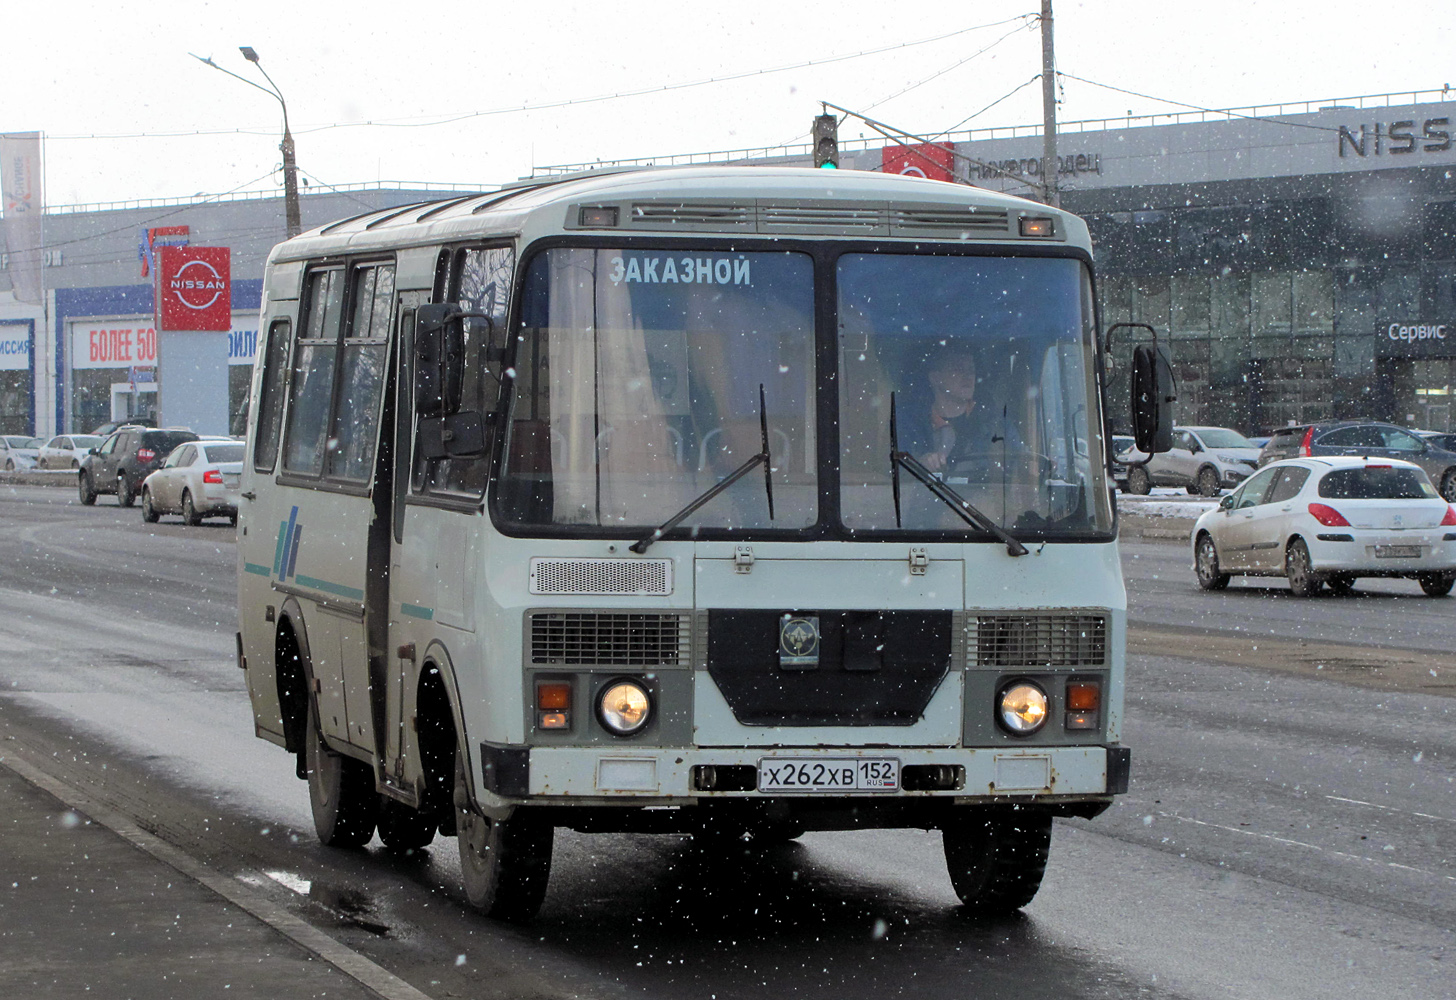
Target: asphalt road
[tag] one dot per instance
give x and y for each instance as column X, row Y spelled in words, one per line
column 1286, row 836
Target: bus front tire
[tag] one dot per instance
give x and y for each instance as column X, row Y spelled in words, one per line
column 505, row 863
column 340, row 791
column 996, row 857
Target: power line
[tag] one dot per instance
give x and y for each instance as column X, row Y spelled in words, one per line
column 413, row 122
column 1196, row 107
column 955, row 65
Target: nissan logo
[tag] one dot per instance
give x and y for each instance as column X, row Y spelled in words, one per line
column 200, row 289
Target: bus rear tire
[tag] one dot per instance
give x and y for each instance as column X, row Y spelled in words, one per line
column 996, row 857
column 340, row 791
column 505, row 864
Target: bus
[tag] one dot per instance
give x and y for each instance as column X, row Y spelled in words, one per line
column 734, row 502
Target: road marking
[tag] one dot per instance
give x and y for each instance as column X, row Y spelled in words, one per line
column 1300, row 843
column 1403, row 812
column 346, row 960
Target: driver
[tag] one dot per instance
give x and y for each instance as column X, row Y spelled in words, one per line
column 960, row 425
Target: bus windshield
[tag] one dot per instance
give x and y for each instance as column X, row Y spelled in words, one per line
column 637, row 381
column 990, row 363
column 637, row 388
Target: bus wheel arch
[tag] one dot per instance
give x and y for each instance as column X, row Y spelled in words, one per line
column 293, row 674
column 437, row 728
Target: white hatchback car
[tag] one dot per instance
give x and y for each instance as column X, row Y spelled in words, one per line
column 199, row 479
column 1330, row 520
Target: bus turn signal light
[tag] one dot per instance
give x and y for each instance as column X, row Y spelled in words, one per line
column 1084, row 696
column 553, row 704
column 1036, row 227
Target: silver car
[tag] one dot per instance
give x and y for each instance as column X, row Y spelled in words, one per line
column 66, row 451
column 199, row 479
column 1330, row 520
column 1203, row 460
column 19, row 452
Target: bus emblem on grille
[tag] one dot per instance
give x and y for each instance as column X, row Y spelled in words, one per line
column 799, row 641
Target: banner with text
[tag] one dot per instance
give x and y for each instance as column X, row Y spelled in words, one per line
column 15, row 347
column 132, row 343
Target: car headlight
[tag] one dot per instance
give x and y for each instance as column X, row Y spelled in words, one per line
column 1022, row 708
column 624, row 707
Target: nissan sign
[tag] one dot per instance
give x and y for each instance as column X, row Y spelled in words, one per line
column 194, row 288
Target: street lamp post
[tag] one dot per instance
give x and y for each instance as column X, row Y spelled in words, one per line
column 290, row 168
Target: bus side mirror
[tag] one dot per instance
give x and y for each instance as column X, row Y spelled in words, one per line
column 445, row 431
column 1153, row 395
column 439, row 358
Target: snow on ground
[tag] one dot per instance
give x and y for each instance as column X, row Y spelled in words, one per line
column 1165, row 502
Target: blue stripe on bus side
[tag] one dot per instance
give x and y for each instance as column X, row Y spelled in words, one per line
column 255, row 569
column 329, row 588
column 415, row 611
column 278, row 549
column 293, row 549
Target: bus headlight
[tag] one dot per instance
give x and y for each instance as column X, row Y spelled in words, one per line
column 624, row 707
column 1021, row 708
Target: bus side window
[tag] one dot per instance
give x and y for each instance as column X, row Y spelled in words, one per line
column 482, row 282
column 270, row 402
column 361, row 386
column 314, row 357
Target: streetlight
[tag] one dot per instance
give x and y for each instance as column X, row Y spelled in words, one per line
column 290, row 168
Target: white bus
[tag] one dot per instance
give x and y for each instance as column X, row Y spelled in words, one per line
column 735, row 502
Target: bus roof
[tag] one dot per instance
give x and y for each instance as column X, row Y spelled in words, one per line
column 698, row 201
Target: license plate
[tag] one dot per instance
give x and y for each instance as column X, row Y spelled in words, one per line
column 828, row 774
column 1397, row 551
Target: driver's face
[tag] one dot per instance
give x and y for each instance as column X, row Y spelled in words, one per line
column 957, row 378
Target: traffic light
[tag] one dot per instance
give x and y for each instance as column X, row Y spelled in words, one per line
column 826, row 142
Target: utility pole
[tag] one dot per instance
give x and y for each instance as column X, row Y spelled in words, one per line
column 1048, row 108
column 291, row 216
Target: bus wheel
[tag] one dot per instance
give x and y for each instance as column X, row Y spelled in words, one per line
column 505, row 863
column 340, row 790
column 996, row 857
column 404, row 829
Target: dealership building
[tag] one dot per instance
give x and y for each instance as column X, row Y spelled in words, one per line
column 1299, row 260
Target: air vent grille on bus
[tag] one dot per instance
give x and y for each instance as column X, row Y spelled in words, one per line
column 977, row 221
column 779, row 217
column 1032, row 640
column 658, row 215
column 600, row 577
column 603, row 638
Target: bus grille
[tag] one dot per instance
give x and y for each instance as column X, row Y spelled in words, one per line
column 601, row 638
column 593, row 577
column 1041, row 640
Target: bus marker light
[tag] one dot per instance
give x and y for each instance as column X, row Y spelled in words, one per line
column 604, row 217
column 1036, row 227
column 553, row 720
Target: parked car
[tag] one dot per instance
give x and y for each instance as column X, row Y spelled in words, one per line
column 1203, row 460
column 66, row 451
column 111, row 426
column 1445, row 440
column 1330, row 521
column 125, row 459
column 199, row 479
column 1121, row 445
column 19, row 452
column 1365, row 438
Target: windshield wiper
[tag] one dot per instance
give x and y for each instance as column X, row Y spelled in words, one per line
column 763, row 456
column 968, row 513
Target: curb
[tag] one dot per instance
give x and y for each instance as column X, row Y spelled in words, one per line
column 59, row 477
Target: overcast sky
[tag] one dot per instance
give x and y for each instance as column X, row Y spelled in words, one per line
column 87, row 74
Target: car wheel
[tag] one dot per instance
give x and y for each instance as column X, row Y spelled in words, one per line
column 1138, row 482
column 75, row 464
column 1448, row 486
column 1302, row 581
column 505, row 864
column 1436, row 584
column 189, row 512
column 340, row 791
column 1207, row 483
column 124, row 495
column 1342, row 583
column 10, row 465
column 149, row 513
column 1205, row 564
column 87, row 489
column 996, row 857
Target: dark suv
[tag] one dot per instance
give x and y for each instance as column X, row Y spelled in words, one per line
column 1368, row 439
column 124, row 459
